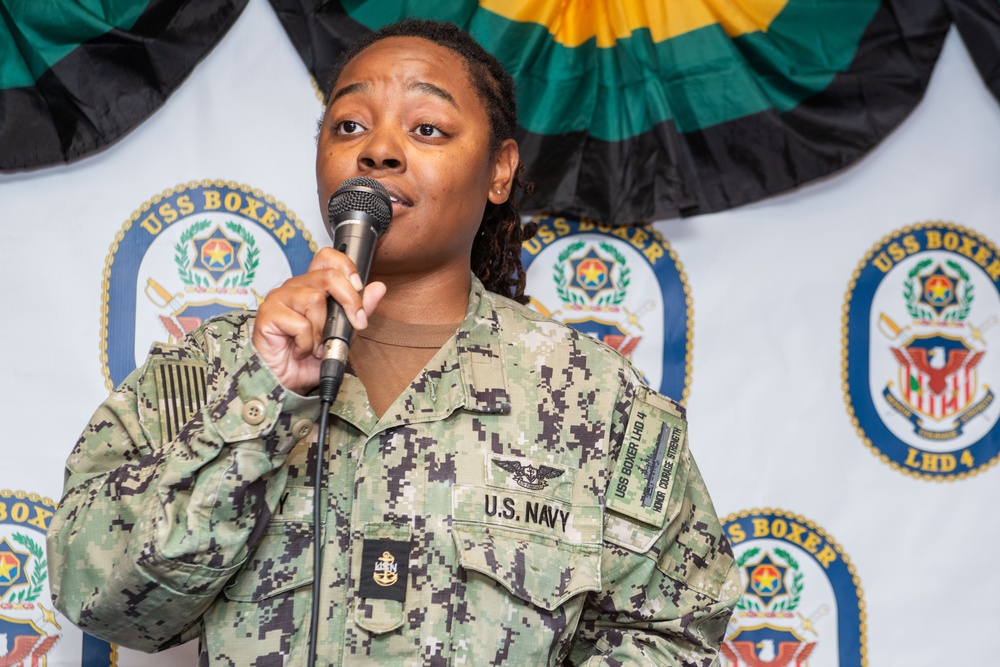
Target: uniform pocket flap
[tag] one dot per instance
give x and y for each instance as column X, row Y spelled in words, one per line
column 283, row 560
column 536, row 568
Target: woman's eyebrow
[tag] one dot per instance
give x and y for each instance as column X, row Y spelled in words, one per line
column 431, row 89
column 359, row 87
column 418, row 86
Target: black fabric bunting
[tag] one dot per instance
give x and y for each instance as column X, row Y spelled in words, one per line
column 677, row 119
column 72, row 82
column 625, row 116
column 978, row 22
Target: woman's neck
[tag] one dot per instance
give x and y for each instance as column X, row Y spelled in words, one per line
column 437, row 298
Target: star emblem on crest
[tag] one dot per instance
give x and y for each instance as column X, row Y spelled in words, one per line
column 765, row 580
column 13, row 565
column 938, row 290
column 592, row 273
column 217, row 254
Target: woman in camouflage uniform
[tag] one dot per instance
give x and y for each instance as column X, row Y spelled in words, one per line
column 499, row 488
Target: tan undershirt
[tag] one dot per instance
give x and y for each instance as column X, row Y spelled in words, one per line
column 388, row 355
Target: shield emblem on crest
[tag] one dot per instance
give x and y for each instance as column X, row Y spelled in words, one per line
column 24, row 642
column 766, row 646
column 937, row 374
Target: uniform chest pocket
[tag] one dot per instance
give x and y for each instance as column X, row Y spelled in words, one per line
column 542, row 570
column 283, row 560
column 543, row 550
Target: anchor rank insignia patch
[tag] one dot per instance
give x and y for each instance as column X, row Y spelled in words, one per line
column 383, row 569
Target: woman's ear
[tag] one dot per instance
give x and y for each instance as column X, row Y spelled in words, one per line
column 504, row 169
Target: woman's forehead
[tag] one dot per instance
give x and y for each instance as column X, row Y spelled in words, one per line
column 408, row 56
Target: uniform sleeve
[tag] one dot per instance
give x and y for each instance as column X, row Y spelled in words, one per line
column 169, row 488
column 669, row 581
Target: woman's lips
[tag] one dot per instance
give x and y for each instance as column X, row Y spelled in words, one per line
column 396, row 196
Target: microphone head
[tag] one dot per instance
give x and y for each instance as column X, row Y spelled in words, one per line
column 360, row 194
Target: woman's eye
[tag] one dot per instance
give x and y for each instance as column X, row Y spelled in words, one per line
column 348, row 127
column 428, row 130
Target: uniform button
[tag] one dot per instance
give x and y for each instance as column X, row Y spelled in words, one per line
column 253, row 412
column 302, row 428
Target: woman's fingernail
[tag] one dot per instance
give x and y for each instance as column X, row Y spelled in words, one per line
column 356, row 281
column 362, row 319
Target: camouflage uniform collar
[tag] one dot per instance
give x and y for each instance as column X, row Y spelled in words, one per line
column 468, row 372
column 480, row 346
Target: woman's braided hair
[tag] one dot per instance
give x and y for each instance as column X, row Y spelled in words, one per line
column 496, row 251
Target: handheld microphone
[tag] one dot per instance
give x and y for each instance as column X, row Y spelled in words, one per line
column 357, row 215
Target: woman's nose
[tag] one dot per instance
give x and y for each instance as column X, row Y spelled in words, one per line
column 383, row 150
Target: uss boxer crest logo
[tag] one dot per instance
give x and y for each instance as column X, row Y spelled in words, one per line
column 621, row 285
column 802, row 602
column 189, row 254
column 32, row 632
column 921, row 351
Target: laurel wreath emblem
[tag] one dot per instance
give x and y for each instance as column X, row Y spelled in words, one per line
column 251, row 261
column 183, row 260
column 965, row 301
column 795, row 590
column 189, row 277
column 38, row 574
column 918, row 312
column 559, row 274
column 612, row 299
column 746, row 604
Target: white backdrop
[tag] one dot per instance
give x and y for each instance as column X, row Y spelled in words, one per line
column 769, row 421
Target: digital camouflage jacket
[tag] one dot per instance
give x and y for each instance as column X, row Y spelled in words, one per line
column 526, row 501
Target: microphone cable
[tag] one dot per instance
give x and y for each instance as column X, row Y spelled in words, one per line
column 318, row 538
column 358, row 213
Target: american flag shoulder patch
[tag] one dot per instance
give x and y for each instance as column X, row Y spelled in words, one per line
column 181, row 389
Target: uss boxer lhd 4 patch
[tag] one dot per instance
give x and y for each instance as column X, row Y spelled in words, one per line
column 644, row 473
